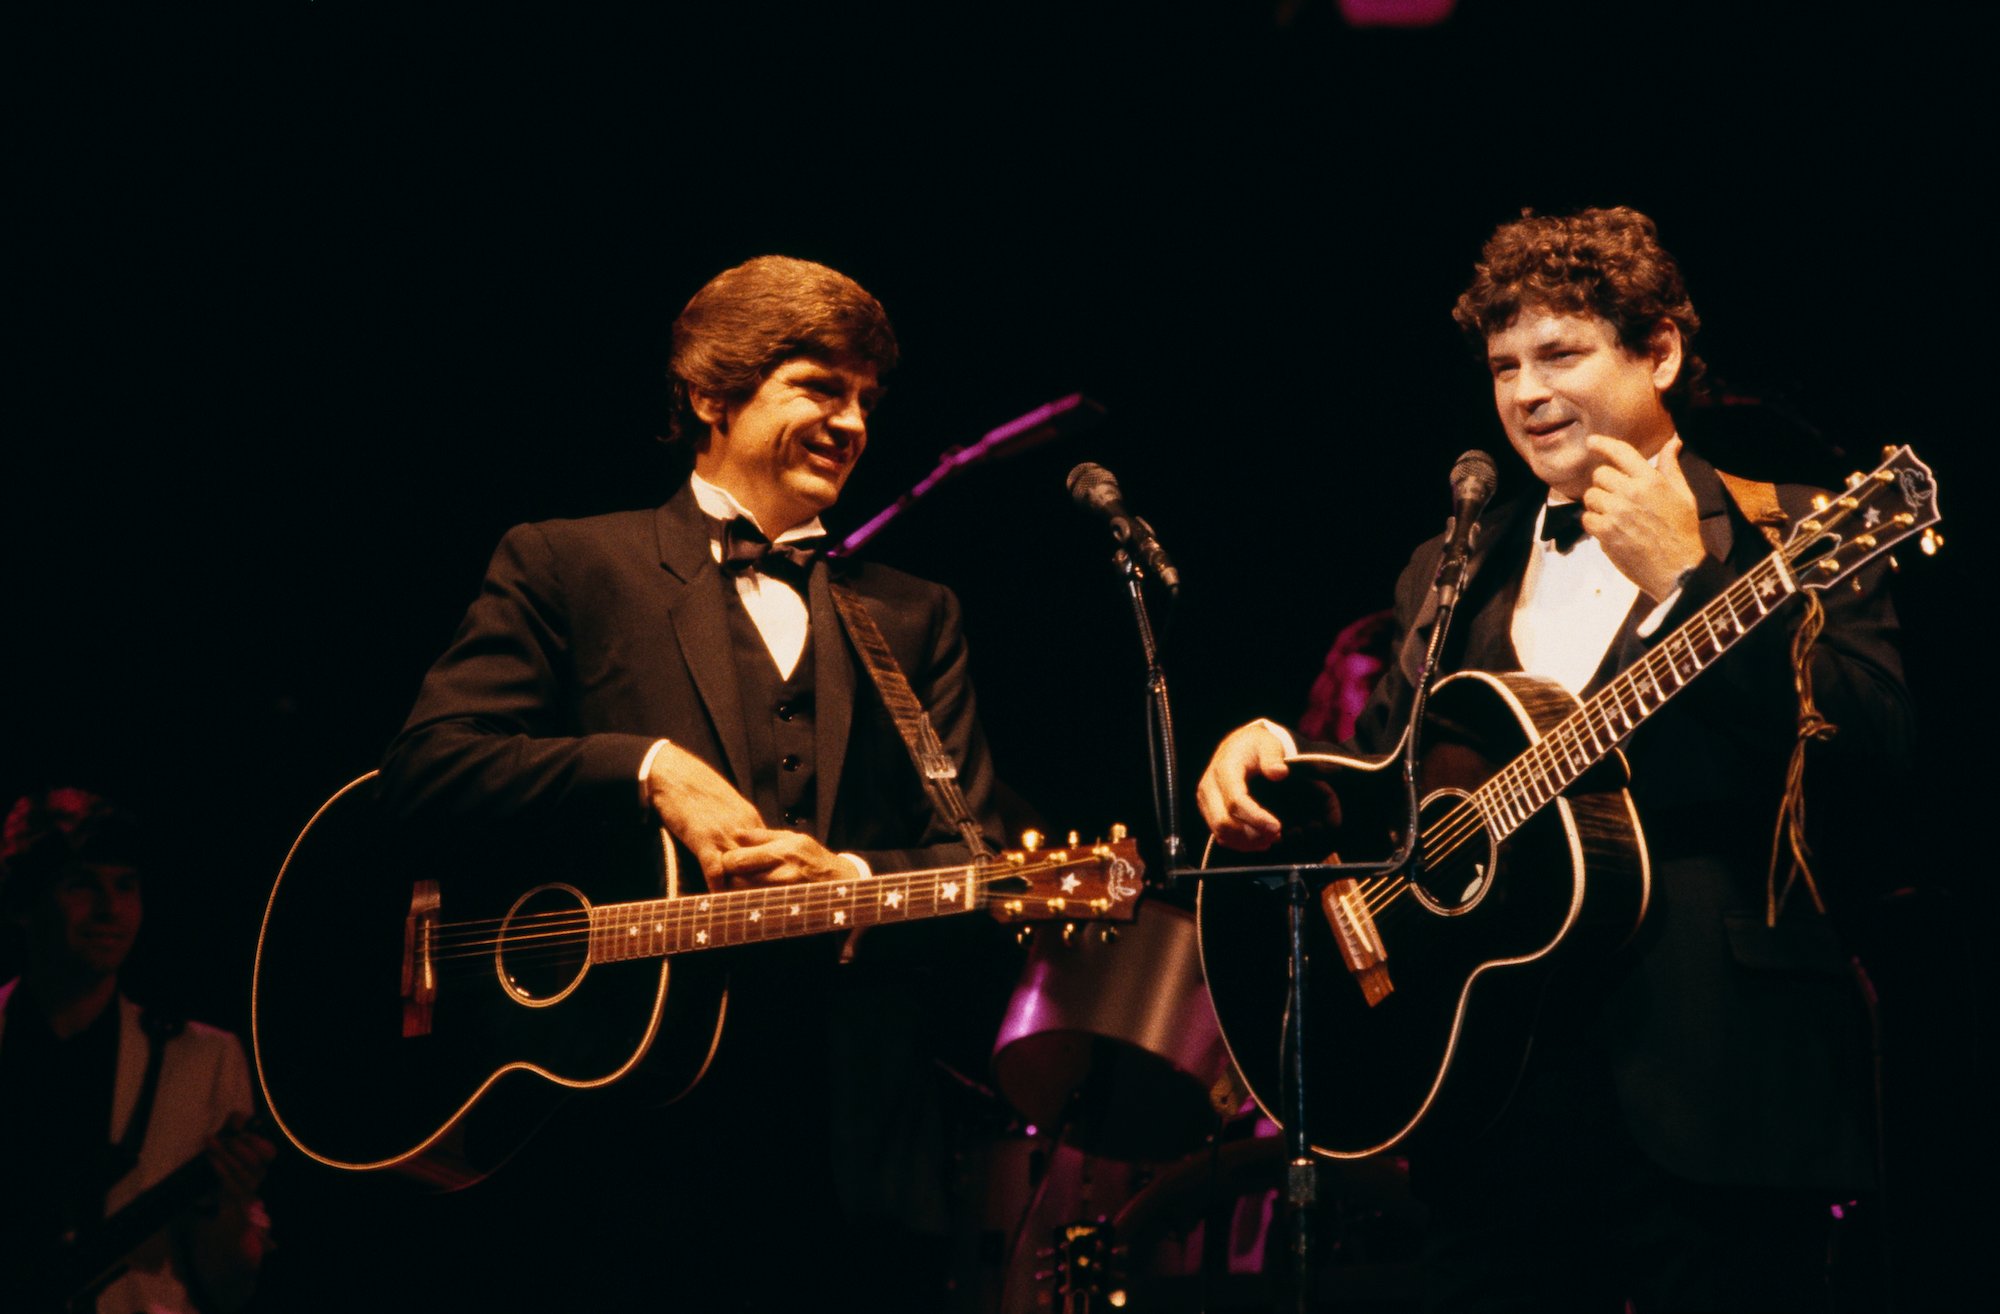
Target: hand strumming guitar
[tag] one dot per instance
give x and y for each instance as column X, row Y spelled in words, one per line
column 1238, row 820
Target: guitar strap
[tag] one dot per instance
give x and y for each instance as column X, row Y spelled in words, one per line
column 1759, row 503
column 935, row 768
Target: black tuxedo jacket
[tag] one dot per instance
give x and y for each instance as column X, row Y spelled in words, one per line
column 591, row 639
column 1738, row 1051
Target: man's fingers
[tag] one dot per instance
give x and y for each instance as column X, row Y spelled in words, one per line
column 1617, row 453
column 776, row 861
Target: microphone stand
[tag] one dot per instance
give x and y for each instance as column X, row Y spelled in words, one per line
column 1301, row 1172
column 1160, row 753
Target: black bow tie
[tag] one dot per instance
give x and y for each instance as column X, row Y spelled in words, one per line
column 744, row 547
column 1562, row 524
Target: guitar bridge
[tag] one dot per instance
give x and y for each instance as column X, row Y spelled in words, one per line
column 419, row 967
column 1361, row 946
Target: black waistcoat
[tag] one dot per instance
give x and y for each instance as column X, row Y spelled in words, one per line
column 778, row 719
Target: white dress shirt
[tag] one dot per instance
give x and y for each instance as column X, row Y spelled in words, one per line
column 776, row 608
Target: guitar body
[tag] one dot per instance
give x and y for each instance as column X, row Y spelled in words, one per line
column 409, row 1010
column 1469, row 946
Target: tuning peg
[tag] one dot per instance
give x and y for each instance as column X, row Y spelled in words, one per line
column 1888, row 452
column 1820, row 502
column 1930, row 542
column 1031, row 840
column 1829, row 565
column 1118, row 831
column 1073, row 839
column 1856, row 479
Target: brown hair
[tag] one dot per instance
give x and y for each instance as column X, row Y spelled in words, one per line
column 748, row 320
column 1603, row 262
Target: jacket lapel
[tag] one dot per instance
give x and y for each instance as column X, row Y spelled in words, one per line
column 134, row 1051
column 833, row 694
column 1488, row 638
column 700, row 617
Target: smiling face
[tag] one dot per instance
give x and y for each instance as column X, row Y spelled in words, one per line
column 1557, row 379
column 83, row 928
column 785, row 451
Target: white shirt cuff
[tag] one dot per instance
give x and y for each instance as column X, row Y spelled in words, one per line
column 646, row 767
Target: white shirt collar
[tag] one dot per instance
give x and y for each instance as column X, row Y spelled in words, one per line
column 719, row 503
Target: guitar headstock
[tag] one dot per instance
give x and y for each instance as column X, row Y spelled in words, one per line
column 1075, row 882
column 1847, row 530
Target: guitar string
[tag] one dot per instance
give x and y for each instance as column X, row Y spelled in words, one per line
column 738, row 903
column 577, row 926
column 730, row 930
column 472, row 938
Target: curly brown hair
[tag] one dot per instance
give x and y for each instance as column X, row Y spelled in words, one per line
column 748, row 320
column 1603, row 262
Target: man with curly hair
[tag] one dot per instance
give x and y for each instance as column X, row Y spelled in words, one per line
column 1691, row 1107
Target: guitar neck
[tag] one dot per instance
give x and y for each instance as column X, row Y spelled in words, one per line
column 655, row 928
column 1586, row 736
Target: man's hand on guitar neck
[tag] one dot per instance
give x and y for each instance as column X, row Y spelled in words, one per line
column 1238, row 820
column 723, row 831
column 240, row 1158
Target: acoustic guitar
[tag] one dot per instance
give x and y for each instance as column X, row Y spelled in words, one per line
column 420, row 1001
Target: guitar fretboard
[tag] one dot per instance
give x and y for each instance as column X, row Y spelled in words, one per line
column 653, row 928
column 1524, row 786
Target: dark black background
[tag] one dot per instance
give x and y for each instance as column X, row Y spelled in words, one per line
column 309, row 305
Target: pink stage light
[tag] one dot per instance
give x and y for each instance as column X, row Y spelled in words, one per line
column 1396, row 13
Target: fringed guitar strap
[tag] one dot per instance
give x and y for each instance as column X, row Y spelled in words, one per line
column 935, row 768
column 1759, row 502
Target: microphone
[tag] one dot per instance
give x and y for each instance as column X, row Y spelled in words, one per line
column 1473, row 480
column 1095, row 488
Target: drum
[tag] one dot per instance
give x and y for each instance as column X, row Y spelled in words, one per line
column 1112, row 1041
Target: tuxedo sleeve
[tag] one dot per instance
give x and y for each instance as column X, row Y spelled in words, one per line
column 495, row 735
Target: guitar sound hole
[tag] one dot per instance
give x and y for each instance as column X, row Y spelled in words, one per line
column 1458, row 858
column 544, row 945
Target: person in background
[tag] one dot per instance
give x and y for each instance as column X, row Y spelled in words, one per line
column 101, row 1099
